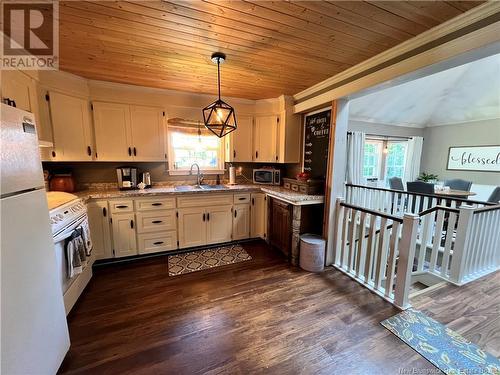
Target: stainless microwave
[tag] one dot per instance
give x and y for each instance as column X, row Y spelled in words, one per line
column 267, row 176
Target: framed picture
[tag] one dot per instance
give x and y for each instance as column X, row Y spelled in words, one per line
column 474, row 158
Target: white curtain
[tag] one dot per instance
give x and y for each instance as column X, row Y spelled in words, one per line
column 413, row 156
column 355, row 157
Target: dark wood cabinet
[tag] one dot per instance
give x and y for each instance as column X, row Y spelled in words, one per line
column 286, row 222
column 280, row 225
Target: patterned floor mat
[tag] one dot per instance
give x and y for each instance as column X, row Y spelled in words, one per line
column 204, row 259
column 441, row 346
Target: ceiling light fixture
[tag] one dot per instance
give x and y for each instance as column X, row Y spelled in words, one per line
column 219, row 116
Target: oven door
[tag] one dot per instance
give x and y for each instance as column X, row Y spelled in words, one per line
column 263, row 176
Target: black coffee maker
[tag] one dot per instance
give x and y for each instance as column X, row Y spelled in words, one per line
column 127, row 178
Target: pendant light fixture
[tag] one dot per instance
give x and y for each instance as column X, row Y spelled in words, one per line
column 219, row 116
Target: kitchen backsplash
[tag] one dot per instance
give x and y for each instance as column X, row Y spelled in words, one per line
column 87, row 174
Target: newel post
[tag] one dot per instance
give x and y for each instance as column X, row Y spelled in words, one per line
column 337, row 235
column 461, row 248
column 405, row 260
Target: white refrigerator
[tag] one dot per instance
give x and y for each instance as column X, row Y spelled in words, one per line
column 34, row 331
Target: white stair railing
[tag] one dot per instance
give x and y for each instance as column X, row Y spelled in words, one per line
column 477, row 244
column 376, row 249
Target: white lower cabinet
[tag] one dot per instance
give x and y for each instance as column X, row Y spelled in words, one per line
column 99, row 224
column 241, row 221
column 258, row 227
column 155, row 242
column 219, row 224
column 124, row 238
column 192, row 227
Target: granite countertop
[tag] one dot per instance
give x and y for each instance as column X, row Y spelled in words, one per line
column 278, row 192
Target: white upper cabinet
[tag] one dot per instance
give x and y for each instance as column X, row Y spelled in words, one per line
column 265, row 138
column 239, row 142
column 18, row 87
column 148, row 139
column 72, row 129
column 124, row 132
column 112, row 131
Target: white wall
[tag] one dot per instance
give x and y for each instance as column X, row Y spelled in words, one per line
column 438, row 139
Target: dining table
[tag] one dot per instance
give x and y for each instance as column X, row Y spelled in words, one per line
column 455, row 193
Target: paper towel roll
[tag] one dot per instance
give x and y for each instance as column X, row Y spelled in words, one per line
column 232, row 175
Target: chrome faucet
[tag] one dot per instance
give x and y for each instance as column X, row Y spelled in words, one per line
column 199, row 176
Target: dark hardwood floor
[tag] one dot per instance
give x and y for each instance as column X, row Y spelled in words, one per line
column 259, row 316
column 473, row 310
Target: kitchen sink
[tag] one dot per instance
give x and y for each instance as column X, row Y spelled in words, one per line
column 213, row 187
column 202, row 187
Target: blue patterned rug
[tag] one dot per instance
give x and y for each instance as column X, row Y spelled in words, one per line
column 441, row 346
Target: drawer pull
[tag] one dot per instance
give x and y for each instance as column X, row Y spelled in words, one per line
column 156, row 204
column 203, row 217
column 158, row 243
column 241, row 199
column 104, row 212
column 122, row 206
column 157, row 221
column 131, row 224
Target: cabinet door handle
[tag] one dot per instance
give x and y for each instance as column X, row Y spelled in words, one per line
column 53, row 154
column 203, row 217
column 129, row 151
column 234, row 153
column 104, row 212
column 122, row 206
column 157, row 243
column 132, row 224
column 208, row 216
column 276, row 157
column 253, row 201
column 157, row 221
column 256, row 154
column 89, row 151
column 156, row 204
column 135, row 151
column 235, row 212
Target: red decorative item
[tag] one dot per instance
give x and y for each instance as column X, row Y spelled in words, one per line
column 62, row 183
column 303, row 176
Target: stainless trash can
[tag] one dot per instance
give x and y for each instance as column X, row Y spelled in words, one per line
column 312, row 252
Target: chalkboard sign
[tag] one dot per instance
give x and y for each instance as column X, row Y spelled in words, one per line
column 316, row 135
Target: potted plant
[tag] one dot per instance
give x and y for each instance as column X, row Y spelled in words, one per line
column 427, row 177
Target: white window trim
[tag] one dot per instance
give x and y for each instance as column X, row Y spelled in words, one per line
column 186, row 172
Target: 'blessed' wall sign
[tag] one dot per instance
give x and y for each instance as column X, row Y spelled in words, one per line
column 474, row 158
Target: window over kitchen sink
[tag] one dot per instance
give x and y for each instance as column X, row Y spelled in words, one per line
column 188, row 145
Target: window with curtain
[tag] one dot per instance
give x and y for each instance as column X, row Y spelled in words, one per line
column 372, row 159
column 188, row 145
column 395, row 159
column 384, row 159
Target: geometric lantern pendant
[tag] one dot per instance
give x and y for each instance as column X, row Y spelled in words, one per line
column 219, row 116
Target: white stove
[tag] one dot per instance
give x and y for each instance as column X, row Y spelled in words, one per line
column 67, row 214
column 64, row 208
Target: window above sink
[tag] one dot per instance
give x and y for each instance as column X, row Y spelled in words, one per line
column 190, row 144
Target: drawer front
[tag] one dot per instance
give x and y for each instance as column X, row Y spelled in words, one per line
column 242, row 198
column 121, row 206
column 286, row 185
column 295, row 187
column 156, row 221
column 156, row 242
column 203, row 200
column 151, row 204
column 303, row 189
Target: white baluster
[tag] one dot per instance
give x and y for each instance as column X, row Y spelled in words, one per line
column 370, row 251
column 460, row 249
column 405, row 260
column 360, row 254
column 391, row 263
column 436, row 242
column 381, row 254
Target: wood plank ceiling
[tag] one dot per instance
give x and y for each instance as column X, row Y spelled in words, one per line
column 273, row 47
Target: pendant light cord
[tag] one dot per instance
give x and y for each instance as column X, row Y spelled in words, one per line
column 218, row 75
